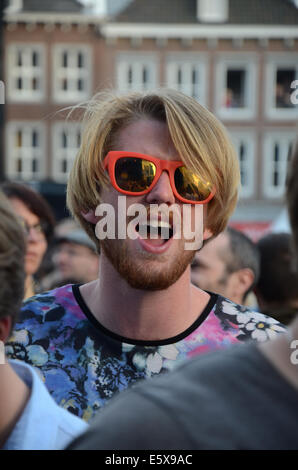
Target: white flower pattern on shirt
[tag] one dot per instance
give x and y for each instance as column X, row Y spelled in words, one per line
column 260, row 327
column 151, row 360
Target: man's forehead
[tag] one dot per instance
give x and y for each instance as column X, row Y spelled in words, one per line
column 149, row 137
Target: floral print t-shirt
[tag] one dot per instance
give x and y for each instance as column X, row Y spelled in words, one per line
column 83, row 364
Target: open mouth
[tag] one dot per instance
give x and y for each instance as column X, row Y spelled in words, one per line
column 155, row 232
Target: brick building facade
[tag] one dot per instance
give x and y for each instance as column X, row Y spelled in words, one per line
column 239, row 58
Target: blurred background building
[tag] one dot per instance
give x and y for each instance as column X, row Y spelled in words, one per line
column 239, row 58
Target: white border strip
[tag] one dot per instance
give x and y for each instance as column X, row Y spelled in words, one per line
column 146, row 30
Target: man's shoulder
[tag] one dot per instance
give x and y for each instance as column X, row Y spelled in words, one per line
column 251, row 324
column 50, row 305
column 53, row 426
column 48, row 297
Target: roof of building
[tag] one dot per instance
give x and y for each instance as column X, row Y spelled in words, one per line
column 52, row 6
column 258, row 12
column 246, row 12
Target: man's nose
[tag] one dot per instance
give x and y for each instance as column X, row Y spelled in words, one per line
column 162, row 191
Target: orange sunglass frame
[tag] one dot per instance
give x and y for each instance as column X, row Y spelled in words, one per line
column 112, row 157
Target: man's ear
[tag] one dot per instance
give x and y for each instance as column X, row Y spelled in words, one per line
column 5, row 327
column 243, row 279
column 207, row 234
column 90, row 216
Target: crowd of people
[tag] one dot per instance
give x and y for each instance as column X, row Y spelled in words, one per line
column 100, row 315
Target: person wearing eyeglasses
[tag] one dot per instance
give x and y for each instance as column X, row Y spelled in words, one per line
column 37, row 219
column 140, row 152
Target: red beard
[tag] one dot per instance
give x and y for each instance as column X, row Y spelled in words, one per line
column 139, row 273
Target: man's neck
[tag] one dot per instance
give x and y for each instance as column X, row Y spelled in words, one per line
column 14, row 395
column 144, row 315
column 280, row 353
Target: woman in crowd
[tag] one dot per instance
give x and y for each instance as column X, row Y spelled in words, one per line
column 38, row 221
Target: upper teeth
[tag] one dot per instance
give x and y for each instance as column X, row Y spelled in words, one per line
column 159, row 223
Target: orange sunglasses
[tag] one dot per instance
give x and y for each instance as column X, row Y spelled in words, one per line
column 135, row 174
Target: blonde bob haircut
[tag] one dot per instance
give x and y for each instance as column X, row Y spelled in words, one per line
column 198, row 136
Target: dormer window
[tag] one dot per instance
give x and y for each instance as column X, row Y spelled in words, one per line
column 212, row 11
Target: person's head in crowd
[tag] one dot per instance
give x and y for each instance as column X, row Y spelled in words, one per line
column 277, row 287
column 123, row 122
column 65, row 226
column 75, row 257
column 37, row 218
column 12, row 277
column 12, row 274
column 227, row 265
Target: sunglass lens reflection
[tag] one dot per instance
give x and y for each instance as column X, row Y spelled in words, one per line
column 191, row 186
column 134, row 174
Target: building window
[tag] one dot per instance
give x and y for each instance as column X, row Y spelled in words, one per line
column 235, row 95
column 25, row 72
column 283, row 79
column 236, row 88
column 188, row 75
column 244, row 142
column 282, row 71
column 66, row 142
column 25, row 151
column 136, row 73
column 277, row 151
column 71, row 73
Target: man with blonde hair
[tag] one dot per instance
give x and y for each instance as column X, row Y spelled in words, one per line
column 163, row 156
